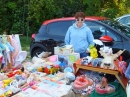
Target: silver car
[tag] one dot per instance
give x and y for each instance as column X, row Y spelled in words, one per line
column 125, row 19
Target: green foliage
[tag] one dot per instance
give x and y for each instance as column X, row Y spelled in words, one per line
column 26, row 16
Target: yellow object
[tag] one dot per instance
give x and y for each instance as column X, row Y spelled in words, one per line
column 5, row 85
column 7, row 81
column 93, row 52
column 8, row 93
column 53, row 70
column 40, row 69
column 2, row 95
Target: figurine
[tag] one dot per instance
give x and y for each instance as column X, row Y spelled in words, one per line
column 108, row 61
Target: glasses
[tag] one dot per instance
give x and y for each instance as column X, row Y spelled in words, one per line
column 79, row 19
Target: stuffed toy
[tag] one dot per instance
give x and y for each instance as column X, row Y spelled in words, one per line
column 108, row 61
column 106, row 50
column 93, row 52
column 86, row 60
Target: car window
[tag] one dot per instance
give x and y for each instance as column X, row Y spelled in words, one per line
column 59, row 28
column 99, row 30
column 125, row 20
column 96, row 29
column 119, row 27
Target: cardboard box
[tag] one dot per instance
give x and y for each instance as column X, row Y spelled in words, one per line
column 73, row 57
column 65, row 50
column 70, row 58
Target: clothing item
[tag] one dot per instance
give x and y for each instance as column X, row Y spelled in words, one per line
column 123, row 66
column 11, row 48
column 20, row 58
column 16, row 37
column 80, row 38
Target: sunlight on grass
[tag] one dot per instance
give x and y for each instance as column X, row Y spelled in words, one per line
column 25, row 43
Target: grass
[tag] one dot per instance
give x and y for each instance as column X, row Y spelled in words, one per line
column 25, row 44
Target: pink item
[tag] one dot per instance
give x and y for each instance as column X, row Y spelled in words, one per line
column 1, row 58
column 16, row 37
column 25, row 88
column 53, row 58
column 101, row 90
column 104, row 87
column 81, row 83
column 15, row 45
column 32, row 83
column 122, row 65
column 24, row 75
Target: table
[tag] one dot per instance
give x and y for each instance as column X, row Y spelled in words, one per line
column 97, row 69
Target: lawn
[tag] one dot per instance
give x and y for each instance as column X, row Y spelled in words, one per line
column 25, row 44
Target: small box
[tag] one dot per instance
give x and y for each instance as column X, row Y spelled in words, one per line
column 72, row 58
column 65, row 50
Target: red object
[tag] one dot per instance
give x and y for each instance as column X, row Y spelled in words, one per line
column 46, row 70
column 33, row 35
column 106, row 39
column 121, row 58
column 82, row 79
column 90, row 18
column 1, row 58
column 14, row 69
column 56, row 66
column 11, row 74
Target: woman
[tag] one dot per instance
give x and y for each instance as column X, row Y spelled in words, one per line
column 79, row 35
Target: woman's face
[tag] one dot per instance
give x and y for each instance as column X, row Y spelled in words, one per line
column 79, row 21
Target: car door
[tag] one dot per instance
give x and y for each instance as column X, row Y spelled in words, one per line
column 56, row 32
column 100, row 30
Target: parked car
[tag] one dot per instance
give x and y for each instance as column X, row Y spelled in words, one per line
column 52, row 33
column 125, row 19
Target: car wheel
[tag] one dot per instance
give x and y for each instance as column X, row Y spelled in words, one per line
column 37, row 51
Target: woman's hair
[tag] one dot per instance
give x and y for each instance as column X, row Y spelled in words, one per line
column 80, row 14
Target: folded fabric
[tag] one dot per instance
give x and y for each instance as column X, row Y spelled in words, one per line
column 127, row 73
column 122, row 65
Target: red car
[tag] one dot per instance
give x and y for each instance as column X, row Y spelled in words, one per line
column 52, row 33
